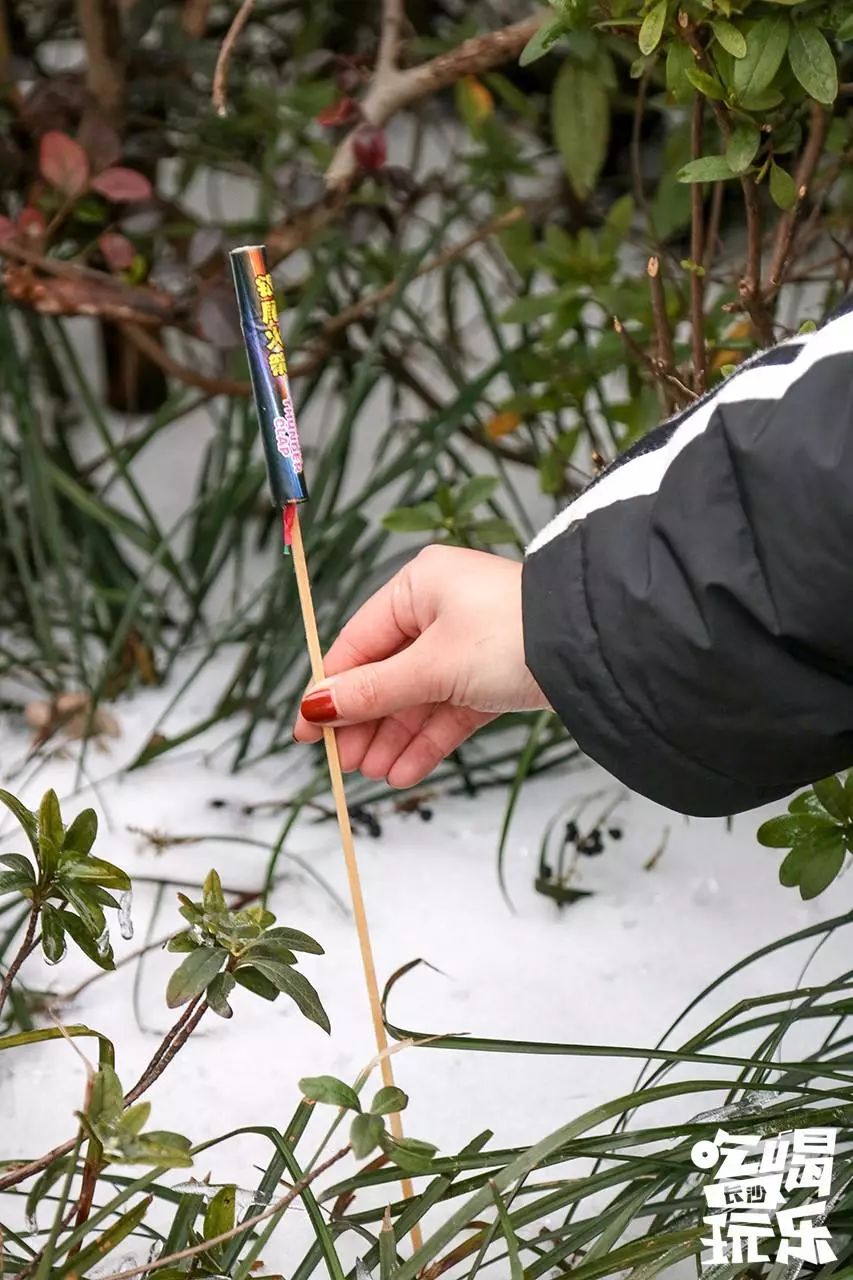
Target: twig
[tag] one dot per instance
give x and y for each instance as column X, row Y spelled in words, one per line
column 157, row 354
column 697, row 253
column 279, row 1207
column 219, row 92
column 712, row 237
column 28, row 944
column 173, row 1041
column 101, row 31
column 393, row 17
column 194, row 18
column 749, row 287
column 666, row 354
column 685, row 393
column 787, row 225
column 390, row 90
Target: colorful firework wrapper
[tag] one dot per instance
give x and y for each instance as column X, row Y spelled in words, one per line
column 268, row 369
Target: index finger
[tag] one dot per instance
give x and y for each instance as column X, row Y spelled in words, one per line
column 384, row 624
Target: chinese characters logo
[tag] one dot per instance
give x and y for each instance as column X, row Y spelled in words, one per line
column 748, row 1199
column 276, row 358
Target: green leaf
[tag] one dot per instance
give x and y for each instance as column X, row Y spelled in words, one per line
column 783, row 189
column 732, row 40
column 536, row 305
column 50, row 818
column 330, row 1090
column 679, row 61
column 25, row 816
column 705, row 84
column 516, row 1270
column 135, row 1118
column 411, row 1154
column 213, row 899
column 255, row 982
column 20, row 865
column 474, row 492
column 494, row 531
column 830, row 792
column 742, row 146
column 293, row 984
column 89, row 911
column 111, row 1238
column 389, row 1100
column 706, row 169
column 765, row 48
column 219, row 1216
column 420, row 519
column 52, row 934
column 813, row 62
column 106, row 1103
column 182, row 942
column 86, row 868
column 365, row 1135
column 158, row 1147
column 541, row 42
column 80, row 935
column 14, row 882
column 792, row 865
column 193, row 974
column 218, row 992
column 80, row 836
column 845, row 31
column 294, row 939
column 785, row 831
column 822, row 866
column 580, row 119
column 651, row 28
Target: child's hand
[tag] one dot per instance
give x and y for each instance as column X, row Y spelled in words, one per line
column 433, row 655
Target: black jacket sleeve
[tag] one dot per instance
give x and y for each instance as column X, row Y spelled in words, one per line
column 690, row 615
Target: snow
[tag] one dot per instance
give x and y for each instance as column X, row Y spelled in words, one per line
column 614, row 968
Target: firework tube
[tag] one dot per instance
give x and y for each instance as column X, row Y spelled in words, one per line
column 268, row 370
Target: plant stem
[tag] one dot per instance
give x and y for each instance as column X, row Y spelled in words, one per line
column 27, row 946
column 279, row 1207
column 173, row 1041
column 697, row 253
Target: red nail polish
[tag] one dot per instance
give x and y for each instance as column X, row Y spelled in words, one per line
column 319, row 707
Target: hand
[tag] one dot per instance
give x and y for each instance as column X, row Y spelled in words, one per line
column 433, row 655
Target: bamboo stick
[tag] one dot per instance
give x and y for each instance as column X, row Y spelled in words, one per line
column 315, row 653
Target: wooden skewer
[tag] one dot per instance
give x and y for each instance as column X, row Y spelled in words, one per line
column 315, row 653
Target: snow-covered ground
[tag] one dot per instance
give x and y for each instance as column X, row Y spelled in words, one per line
column 613, row 968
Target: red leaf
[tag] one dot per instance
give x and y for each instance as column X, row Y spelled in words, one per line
column 8, row 230
column 118, row 251
column 101, row 141
column 370, row 147
column 340, row 112
column 31, row 222
column 63, row 163
column 122, row 184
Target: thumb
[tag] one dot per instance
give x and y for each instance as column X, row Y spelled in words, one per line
column 377, row 689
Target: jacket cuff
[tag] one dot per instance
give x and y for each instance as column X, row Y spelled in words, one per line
column 568, row 659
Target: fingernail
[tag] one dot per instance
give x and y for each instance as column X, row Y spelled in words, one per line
column 318, row 706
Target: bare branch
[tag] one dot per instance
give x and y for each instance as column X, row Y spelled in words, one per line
column 697, row 253
column 390, row 90
column 219, row 93
column 100, row 27
column 26, row 948
column 787, row 227
column 393, row 17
